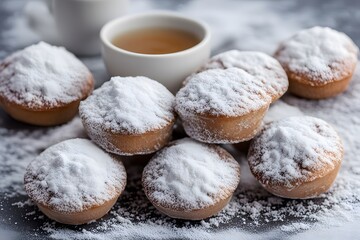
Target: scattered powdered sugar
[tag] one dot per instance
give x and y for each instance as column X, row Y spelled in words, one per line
column 221, row 92
column 190, row 175
column 132, row 105
column 294, row 150
column 267, row 69
column 295, row 227
column 321, row 53
column 253, row 213
column 19, row 147
column 280, row 110
column 43, row 75
column 74, row 175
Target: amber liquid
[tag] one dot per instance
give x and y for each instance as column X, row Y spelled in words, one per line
column 156, row 41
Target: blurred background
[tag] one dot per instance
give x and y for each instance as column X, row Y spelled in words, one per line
column 247, row 25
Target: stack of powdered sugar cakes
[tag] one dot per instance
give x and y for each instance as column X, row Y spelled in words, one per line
column 192, row 177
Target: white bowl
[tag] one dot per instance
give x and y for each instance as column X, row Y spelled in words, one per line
column 169, row 69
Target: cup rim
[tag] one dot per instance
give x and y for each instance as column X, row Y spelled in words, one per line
column 109, row 25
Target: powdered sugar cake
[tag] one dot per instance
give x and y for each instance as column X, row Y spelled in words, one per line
column 43, row 84
column 319, row 62
column 296, row 157
column 75, row 182
column 129, row 115
column 191, row 180
column 222, row 105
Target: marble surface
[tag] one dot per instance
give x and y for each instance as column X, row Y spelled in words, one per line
column 247, row 25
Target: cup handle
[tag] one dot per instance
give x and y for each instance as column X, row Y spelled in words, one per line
column 41, row 21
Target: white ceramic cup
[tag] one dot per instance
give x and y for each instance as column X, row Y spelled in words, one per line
column 78, row 22
column 169, row 69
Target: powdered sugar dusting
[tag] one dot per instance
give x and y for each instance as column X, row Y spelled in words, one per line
column 320, row 53
column 132, row 105
column 219, row 92
column 267, row 69
column 189, row 175
column 252, row 208
column 294, row 150
column 43, row 75
column 280, row 110
column 253, row 213
column 74, row 175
